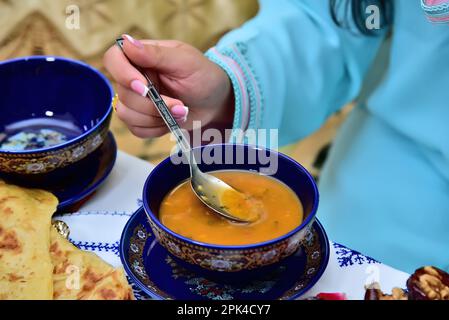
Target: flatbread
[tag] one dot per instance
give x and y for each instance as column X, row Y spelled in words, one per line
column 25, row 263
column 37, row 263
column 81, row 275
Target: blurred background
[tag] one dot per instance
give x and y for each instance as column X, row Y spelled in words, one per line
column 39, row 27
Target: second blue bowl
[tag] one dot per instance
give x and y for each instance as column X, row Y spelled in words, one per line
column 54, row 112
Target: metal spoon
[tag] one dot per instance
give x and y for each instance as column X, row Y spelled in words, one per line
column 212, row 191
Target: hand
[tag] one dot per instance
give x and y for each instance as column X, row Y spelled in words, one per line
column 184, row 77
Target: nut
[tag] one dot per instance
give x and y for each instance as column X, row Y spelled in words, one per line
column 429, row 283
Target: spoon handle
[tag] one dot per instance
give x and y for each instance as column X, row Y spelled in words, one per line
column 171, row 123
column 162, row 107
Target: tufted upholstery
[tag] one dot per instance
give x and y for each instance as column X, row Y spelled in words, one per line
column 38, row 27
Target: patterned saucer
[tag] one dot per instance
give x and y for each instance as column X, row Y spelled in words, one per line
column 156, row 274
column 73, row 185
column 94, row 170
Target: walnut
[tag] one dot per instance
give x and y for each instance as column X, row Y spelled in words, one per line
column 429, row 283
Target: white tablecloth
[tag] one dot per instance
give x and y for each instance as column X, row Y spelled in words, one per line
column 98, row 226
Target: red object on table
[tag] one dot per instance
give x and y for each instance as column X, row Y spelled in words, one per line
column 331, row 296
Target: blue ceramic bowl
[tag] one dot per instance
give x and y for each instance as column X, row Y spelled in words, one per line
column 217, row 258
column 54, row 112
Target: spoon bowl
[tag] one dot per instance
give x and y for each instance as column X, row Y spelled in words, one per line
column 219, row 196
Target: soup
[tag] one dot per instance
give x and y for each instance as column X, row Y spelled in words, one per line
column 280, row 211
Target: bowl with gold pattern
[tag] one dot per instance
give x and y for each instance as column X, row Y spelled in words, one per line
column 193, row 250
column 54, row 113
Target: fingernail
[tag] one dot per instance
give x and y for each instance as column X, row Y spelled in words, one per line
column 133, row 41
column 180, row 112
column 139, row 87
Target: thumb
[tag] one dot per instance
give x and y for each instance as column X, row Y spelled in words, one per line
column 161, row 56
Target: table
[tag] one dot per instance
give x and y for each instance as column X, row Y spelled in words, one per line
column 98, row 225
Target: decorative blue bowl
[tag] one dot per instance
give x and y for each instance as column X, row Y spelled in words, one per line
column 54, row 112
column 219, row 259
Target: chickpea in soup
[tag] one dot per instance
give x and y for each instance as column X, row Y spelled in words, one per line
column 280, row 211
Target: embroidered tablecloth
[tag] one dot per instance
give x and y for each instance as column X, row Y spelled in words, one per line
column 98, row 226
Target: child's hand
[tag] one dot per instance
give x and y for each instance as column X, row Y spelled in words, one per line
column 184, row 77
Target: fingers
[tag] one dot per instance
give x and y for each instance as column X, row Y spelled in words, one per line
column 164, row 43
column 141, row 125
column 133, row 118
column 158, row 58
column 148, row 132
column 162, row 56
column 136, row 110
column 120, row 68
column 136, row 119
column 141, row 104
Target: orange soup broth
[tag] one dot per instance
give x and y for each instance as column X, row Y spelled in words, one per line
column 280, row 212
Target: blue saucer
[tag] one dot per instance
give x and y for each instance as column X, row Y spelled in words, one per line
column 73, row 185
column 87, row 175
column 155, row 272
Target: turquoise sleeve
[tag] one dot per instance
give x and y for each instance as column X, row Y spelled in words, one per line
column 292, row 67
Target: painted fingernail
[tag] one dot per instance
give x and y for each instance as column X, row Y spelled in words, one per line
column 180, row 112
column 133, row 41
column 139, row 87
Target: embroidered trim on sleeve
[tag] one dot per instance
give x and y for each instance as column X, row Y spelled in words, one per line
column 248, row 96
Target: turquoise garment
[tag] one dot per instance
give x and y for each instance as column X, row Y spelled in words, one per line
column 385, row 187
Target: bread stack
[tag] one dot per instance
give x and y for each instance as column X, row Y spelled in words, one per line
column 37, row 263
